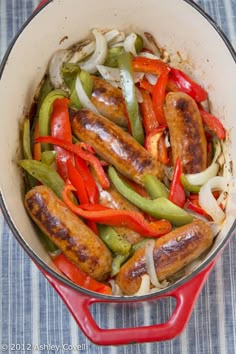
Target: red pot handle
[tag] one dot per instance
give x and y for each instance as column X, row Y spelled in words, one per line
column 79, row 306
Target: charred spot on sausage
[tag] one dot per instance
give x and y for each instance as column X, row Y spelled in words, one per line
column 181, row 104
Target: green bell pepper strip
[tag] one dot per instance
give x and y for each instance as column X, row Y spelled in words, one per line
column 26, row 140
column 112, row 56
column 188, row 186
column 160, row 208
column 115, row 242
column 48, row 157
column 30, row 181
column 45, row 113
column 117, row 262
column 128, row 89
column 44, row 91
column 154, row 187
column 138, row 245
column 45, row 174
column 69, row 73
column 138, row 43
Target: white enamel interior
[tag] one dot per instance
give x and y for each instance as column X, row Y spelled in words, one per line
column 177, row 26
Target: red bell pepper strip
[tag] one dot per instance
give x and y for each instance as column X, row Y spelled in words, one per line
column 213, row 123
column 37, row 147
column 187, row 85
column 79, row 277
column 144, row 84
column 90, row 184
column 85, row 155
column 108, row 216
column 77, row 181
column 157, row 67
column 158, row 96
column 149, row 118
column 196, row 208
column 193, row 204
column 177, row 194
column 147, row 65
column 61, row 129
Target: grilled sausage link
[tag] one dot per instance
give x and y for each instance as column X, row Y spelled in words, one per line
column 171, row 253
column 113, row 199
column 80, row 245
column 114, row 145
column 109, row 101
column 187, row 135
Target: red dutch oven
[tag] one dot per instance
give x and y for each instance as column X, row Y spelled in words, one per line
column 169, row 21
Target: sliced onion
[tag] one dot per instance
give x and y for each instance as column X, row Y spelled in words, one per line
column 113, row 74
column 83, row 49
column 150, row 266
column 144, row 286
column 111, row 35
column 60, row 56
column 211, row 171
column 117, row 40
column 167, row 141
column 152, row 44
column 138, row 95
column 115, row 289
column 152, row 79
column 208, row 202
column 215, row 228
column 84, row 99
column 108, row 73
column 98, row 56
column 83, row 52
column 129, row 43
column 148, row 55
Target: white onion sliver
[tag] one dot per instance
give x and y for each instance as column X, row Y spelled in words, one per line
column 138, row 95
column 115, row 289
column 83, row 52
column 138, row 76
column 215, row 228
column 129, row 43
column 150, row 266
column 144, row 286
column 211, row 171
column 98, row 56
column 60, row 56
column 207, row 200
column 84, row 99
column 108, row 73
column 151, row 78
column 117, row 40
column 111, row 35
column 148, row 55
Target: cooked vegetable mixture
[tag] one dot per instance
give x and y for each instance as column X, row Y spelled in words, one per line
column 123, row 165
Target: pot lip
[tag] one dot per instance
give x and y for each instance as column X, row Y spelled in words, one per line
column 38, row 260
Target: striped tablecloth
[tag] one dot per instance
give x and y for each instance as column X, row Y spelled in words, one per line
column 34, row 319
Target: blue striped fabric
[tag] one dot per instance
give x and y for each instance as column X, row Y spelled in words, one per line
column 31, row 313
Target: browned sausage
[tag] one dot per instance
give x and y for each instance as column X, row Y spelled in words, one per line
column 114, row 145
column 113, row 199
column 79, row 243
column 109, row 101
column 187, row 135
column 171, row 253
